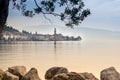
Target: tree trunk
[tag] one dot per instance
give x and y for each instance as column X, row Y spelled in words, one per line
column 1, row 28
column 4, row 4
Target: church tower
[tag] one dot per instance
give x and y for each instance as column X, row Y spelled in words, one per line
column 54, row 31
column 54, row 35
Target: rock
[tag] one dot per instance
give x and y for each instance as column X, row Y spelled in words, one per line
column 61, row 76
column 31, row 75
column 9, row 76
column 1, row 74
column 110, row 74
column 50, row 73
column 88, row 76
column 68, row 76
column 75, row 76
column 1, row 71
column 18, row 70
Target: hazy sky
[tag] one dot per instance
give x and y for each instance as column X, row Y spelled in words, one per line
column 105, row 15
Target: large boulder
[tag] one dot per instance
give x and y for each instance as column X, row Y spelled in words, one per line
column 31, row 75
column 88, row 76
column 18, row 70
column 68, row 76
column 50, row 73
column 110, row 74
column 9, row 76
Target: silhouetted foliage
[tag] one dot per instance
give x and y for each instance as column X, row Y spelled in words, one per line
column 10, row 29
column 73, row 12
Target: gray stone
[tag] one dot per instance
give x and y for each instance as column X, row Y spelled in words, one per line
column 88, row 76
column 31, row 75
column 61, row 76
column 9, row 76
column 50, row 73
column 110, row 74
column 68, row 76
column 74, row 76
column 18, row 70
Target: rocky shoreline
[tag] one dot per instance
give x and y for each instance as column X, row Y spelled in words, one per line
column 56, row 73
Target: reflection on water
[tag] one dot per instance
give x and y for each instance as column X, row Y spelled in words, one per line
column 76, row 56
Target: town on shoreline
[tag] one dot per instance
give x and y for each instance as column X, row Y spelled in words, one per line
column 11, row 34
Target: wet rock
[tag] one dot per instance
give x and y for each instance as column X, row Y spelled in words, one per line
column 88, row 76
column 18, row 70
column 110, row 74
column 31, row 75
column 9, row 76
column 68, row 76
column 50, row 73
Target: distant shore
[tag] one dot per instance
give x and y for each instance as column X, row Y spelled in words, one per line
column 11, row 34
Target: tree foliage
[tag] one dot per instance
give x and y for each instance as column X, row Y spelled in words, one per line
column 73, row 12
column 10, row 29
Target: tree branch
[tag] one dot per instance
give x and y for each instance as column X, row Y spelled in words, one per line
column 55, row 14
column 36, row 4
column 47, row 18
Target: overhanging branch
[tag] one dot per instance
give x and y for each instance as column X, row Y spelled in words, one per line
column 55, row 14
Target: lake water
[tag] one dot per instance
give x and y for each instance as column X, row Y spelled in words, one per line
column 78, row 56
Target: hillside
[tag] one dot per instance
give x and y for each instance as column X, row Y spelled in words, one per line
column 10, row 29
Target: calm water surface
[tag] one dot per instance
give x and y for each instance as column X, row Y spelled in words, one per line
column 85, row 56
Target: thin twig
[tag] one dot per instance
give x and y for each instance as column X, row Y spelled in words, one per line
column 47, row 18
